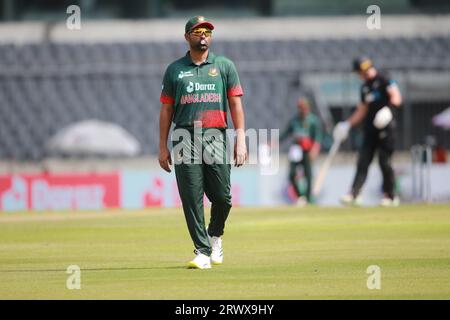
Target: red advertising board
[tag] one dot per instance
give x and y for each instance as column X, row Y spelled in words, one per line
column 59, row 191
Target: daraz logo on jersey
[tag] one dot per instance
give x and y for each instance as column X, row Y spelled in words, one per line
column 200, row 86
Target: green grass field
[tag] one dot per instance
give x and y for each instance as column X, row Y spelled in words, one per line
column 279, row 253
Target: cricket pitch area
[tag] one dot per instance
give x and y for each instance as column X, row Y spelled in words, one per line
column 269, row 253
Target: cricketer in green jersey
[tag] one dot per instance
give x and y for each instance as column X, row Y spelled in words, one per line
column 198, row 89
column 306, row 133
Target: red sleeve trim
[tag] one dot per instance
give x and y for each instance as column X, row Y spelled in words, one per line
column 166, row 99
column 235, row 91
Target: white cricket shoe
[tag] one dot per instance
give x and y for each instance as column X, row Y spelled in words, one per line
column 217, row 251
column 350, row 200
column 201, row 261
column 389, row 202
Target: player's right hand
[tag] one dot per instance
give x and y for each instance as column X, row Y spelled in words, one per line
column 341, row 130
column 164, row 158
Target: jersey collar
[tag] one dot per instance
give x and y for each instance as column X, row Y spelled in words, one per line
column 209, row 60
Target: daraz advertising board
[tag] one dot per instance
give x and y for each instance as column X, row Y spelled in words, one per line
column 123, row 189
column 59, row 192
column 139, row 189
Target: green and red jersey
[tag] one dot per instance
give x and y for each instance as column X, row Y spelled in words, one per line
column 199, row 93
column 304, row 131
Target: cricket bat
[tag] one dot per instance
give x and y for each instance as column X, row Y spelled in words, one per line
column 317, row 187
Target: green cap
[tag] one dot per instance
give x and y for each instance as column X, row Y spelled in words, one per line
column 197, row 22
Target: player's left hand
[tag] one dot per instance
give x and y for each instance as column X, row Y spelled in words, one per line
column 240, row 153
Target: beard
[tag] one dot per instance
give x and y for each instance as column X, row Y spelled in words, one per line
column 201, row 45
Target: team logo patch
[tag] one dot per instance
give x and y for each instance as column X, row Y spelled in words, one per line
column 213, row 72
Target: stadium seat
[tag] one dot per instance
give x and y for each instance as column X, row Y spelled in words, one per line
column 46, row 86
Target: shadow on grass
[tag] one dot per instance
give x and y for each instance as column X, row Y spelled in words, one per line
column 95, row 269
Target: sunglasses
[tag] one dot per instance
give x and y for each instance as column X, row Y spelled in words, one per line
column 199, row 31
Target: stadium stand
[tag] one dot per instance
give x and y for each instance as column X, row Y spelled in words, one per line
column 46, row 86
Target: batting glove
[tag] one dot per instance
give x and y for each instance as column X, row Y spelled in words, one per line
column 341, row 130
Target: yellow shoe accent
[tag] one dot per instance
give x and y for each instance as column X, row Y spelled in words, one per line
column 200, row 262
column 192, row 265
